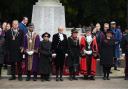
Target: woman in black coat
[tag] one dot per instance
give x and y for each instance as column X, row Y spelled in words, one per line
column 107, row 54
column 45, row 57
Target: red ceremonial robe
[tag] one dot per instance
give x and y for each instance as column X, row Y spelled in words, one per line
column 83, row 61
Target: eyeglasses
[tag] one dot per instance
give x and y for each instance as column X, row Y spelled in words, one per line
column 106, row 27
column 45, row 36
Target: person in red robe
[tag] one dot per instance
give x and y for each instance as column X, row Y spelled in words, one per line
column 89, row 51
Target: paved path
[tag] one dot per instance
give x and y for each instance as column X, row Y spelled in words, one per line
column 114, row 83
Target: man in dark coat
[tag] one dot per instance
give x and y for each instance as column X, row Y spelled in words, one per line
column 2, row 41
column 14, row 44
column 99, row 35
column 59, row 49
column 124, row 46
column 22, row 25
column 74, row 54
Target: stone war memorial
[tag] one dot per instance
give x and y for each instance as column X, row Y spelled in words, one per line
column 48, row 15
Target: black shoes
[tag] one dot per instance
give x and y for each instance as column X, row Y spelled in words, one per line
column 59, row 79
column 13, row 77
column 92, row 78
column 72, row 78
column 48, row 79
column 45, row 78
column 28, row 78
column 35, row 78
column 85, row 77
column 126, row 77
column 20, row 78
column 106, row 78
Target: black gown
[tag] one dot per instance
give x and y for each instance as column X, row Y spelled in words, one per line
column 107, row 52
column 45, row 57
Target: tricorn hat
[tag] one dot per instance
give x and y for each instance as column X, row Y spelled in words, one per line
column 74, row 30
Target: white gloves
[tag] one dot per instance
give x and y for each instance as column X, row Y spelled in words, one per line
column 23, row 56
column 66, row 55
column 123, row 54
column 53, row 55
column 30, row 53
column 87, row 52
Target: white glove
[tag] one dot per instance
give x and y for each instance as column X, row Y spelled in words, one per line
column 123, row 54
column 30, row 53
column 23, row 56
column 53, row 55
column 85, row 51
column 66, row 55
column 88, row 52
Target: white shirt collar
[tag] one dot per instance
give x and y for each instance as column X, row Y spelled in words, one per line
column 23, row 23
column 61, row 36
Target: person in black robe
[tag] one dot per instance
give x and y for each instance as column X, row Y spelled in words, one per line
column 107, row 54
column 2, row 43
column 45, row 57
column 124, row 46
column 74, row 54
column 59, row 50
column 14, row 44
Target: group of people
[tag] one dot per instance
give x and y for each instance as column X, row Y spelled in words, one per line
column 27, row 54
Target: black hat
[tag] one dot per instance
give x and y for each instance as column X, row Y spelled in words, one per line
column 74, row 30
column 30, row 24
column 88, row 29
column 109, row 32
column 45, row 34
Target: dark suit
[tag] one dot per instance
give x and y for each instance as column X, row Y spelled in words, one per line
column 14, row 48
column 74, row 54
column 60, row 48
